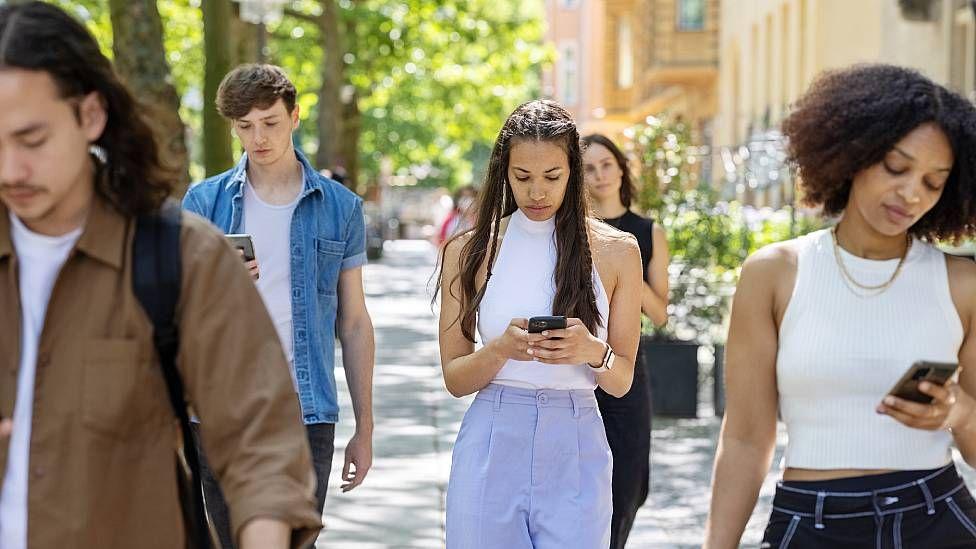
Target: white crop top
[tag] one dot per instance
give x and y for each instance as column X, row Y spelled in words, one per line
column 522, row 285
column 840, row 353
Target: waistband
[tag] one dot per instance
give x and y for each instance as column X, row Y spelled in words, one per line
column 830, row 500
column 576, row 399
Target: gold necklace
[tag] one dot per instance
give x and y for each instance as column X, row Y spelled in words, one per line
column 877, row 289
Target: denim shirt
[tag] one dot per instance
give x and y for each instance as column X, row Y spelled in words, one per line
column 328, row 235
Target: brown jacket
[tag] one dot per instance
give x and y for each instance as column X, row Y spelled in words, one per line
column 102, row 470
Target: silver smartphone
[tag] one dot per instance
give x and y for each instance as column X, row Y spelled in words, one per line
column 243, row 242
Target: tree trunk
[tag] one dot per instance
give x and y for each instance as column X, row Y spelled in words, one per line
column 217, row 20
column 141, row 62
column 244, row 38
column 352, row 125
column 329, row 103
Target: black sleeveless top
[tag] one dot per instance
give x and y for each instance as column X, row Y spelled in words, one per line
column 640, row 227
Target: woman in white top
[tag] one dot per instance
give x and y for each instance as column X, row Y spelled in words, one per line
column 824, row 325
column 531, row 466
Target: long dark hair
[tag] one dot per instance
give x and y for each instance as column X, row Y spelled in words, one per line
column 627, row 190
column 539, row 120
column 41, row 37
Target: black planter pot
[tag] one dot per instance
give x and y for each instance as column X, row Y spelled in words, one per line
column 718, row 378
column 672, row 368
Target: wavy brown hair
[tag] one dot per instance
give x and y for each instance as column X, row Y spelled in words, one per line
column 539, row 120
column 40, row 37
column 627, row 189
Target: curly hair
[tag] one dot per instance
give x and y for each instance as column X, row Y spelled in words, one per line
column 41, row 37
column 627, row 188
column 850, row 119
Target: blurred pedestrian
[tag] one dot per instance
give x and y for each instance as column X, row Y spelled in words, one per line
column 823, row 326
column 90, row 461
column 310, row 246
column 628, row 419
column 531, row 466
column 462, row 214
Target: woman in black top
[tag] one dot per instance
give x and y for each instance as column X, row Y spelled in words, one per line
column 628, row 419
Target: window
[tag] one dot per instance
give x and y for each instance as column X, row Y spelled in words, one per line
column 568, row 81
column 625, row 53
column 691, row 15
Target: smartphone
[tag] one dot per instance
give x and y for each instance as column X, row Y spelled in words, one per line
column 540, row 323
column 923, row 370
column 243, row 242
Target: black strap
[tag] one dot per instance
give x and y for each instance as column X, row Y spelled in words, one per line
column 156, row 278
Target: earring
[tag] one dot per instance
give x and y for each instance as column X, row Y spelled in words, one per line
column 99, row 152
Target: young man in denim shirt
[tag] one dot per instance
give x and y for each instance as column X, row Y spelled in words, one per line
column 309, row 243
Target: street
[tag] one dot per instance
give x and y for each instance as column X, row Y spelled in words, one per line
column 401, row 503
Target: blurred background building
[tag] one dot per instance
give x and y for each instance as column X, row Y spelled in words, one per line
column 731, row 69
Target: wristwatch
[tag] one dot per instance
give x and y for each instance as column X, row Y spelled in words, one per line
column 607, row 363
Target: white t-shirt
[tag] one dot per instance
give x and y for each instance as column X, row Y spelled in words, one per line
column 270, row 227
column 40, row 259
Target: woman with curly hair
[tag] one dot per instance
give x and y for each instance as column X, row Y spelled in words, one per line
column 531, row 465
column 824, row 325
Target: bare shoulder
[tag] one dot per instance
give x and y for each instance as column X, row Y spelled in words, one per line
column 962, row 276
column 772, row 261
column 610, row 241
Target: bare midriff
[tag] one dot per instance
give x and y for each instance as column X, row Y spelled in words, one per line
column 829, row 474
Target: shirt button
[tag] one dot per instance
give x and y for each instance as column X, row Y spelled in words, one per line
column 543, row 398
column 38, row 472
column 43, row 360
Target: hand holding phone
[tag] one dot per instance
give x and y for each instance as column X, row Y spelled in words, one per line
column 926, row 398
column 245, row 245
column 937, row 373
column 538, row 324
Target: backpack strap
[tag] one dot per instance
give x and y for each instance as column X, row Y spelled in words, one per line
column 156, row 278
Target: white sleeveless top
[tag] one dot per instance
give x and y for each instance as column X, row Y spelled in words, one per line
column 522, row 285
column 840, row 353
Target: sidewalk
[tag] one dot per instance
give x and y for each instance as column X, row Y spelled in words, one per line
column 401, row 503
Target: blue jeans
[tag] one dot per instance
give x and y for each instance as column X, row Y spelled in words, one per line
column 930, row 509
column 531, row 469
column 321, row 439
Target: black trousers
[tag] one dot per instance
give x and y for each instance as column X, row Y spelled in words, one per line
column 321, row 439
column 627, row 421
column 930, row 509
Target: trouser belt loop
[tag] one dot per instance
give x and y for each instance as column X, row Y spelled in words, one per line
column 818, row 519
column 576, row 404
column 929, row 504
column 498, row 398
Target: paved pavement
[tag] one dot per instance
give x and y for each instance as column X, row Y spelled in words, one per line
column 401, row 504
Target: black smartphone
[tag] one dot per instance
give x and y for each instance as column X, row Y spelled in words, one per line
column 541, row 323
column 243, row 242
column 923, row 370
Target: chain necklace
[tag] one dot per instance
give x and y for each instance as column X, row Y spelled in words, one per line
column 864, row 290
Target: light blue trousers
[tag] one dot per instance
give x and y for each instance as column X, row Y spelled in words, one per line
column 531, row 470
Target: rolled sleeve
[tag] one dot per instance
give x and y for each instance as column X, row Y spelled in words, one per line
column 238, row 380
column 355, row 253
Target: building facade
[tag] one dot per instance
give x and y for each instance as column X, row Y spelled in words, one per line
column 771, row 50
column 620, row 61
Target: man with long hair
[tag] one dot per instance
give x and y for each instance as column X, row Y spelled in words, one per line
column 88, row 455
column 309, row 238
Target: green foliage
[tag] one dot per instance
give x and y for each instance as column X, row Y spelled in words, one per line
column 435, row 80
column 708, row 239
